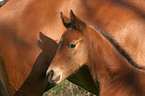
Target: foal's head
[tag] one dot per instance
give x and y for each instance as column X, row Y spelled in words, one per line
column 72, row 52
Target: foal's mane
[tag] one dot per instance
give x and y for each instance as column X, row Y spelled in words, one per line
column 116, row 45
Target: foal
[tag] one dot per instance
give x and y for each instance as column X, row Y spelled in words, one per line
column 110, row 66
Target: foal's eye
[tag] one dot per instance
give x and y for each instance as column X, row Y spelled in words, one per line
column 72, row 46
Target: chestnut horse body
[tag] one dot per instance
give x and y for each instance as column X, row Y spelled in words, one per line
column 21, row 21
column 109, row 64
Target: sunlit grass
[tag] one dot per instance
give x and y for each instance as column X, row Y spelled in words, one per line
column 66, row 88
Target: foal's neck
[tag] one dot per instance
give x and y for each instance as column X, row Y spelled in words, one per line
column 104, row 56
column 106, row 64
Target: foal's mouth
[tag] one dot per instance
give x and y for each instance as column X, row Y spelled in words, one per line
column 53, row 79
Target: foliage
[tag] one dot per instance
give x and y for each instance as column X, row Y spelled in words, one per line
column 2, row 2
column 66, row 88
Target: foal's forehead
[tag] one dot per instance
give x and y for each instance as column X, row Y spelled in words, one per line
column 71, row 34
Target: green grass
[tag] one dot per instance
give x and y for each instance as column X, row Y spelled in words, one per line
column 66, row 88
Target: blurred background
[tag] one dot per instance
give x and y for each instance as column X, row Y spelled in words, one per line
column 2, row 2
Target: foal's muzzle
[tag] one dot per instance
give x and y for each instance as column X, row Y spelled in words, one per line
column 50, row 78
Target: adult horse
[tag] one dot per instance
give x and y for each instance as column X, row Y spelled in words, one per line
column 82, row 44
column 20, row 24
column 21, row 21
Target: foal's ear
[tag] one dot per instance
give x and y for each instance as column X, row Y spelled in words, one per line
column 76, row 22
column 65, row 20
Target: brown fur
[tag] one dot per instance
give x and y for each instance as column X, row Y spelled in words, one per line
column 115, row 74
column 20, row 24
column 22, row 20
column 117, row 77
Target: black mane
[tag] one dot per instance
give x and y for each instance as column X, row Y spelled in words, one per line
column 117, row 46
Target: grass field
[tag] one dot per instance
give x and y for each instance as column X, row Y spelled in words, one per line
column 66, row 88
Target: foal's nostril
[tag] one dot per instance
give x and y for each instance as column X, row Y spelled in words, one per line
column 51, row 78
column 49, row 74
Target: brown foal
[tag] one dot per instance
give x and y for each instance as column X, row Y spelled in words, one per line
column 109, row 65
